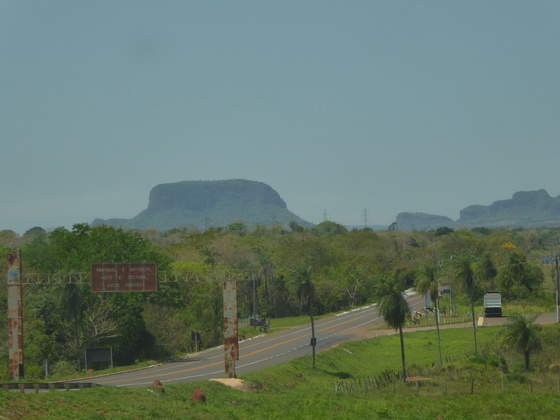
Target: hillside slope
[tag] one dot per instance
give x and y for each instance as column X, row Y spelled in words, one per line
column 204, row 204
column 526, row 209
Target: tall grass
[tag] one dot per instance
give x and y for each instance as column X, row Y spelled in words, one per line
column 295, row 390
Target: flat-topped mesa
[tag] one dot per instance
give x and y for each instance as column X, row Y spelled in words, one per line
column 528, row 209
column 204, row 204
column 206, row 195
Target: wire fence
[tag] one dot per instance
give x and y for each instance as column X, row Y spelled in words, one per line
column 439, row 380
column 435, row 387
column 182, row 276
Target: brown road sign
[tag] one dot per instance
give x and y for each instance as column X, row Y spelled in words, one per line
column 140, row 277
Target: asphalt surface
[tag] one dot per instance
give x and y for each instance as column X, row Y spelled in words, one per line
column 259, row 352
column 268, row 350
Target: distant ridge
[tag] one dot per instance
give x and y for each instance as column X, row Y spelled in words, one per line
column 527, row 209
column 203, row 204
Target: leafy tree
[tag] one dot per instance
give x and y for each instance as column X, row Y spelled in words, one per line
column 9, row 239
column 31, row 234
column 393, row 307
column 441, row 231
column 82, row 317
column 329, row 228
column 305, row 292
column 487, row 270
column 523, row 336
column 70, row 299
column 482, row 231
column 295, row 227
column 237, row 228
column 265, row 271
column 427, row 282
column 519, row 274
column 464, row 267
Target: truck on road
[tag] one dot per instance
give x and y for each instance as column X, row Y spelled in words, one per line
column 492, row 304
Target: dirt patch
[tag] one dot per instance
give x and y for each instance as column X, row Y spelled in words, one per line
column 234, row 383
column 417, row 378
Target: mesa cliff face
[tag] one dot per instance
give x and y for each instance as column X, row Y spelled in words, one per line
column 525, row 209
column 203, row 204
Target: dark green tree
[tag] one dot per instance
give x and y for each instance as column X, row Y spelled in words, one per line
column 75, row 251
column 427, row 282
column 518, row 273
column 393, row 307
column 487, row 270
column 305, row 292
column 517, row 269
column 523, row 336
column 464, row 268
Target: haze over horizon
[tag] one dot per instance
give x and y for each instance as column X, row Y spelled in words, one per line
column 395, row 107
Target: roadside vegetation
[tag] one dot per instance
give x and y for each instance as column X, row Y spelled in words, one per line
column 295, row 272
column 493, row 384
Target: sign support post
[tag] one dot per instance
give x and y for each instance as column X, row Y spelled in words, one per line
column 231, row 343
column 15, row 317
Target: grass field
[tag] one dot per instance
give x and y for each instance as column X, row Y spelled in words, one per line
column 467, row 387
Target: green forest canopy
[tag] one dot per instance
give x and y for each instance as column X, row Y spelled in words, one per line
column 60, row 321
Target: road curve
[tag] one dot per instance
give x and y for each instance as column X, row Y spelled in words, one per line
column 257, row 353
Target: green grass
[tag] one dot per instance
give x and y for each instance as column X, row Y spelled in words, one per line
column 295, row 390
column 278, row 324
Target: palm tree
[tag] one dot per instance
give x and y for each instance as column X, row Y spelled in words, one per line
column 488, row 270
column 465, row 272
column 305, row 292
column 522, row 335
column 393, row 307
column 427, row 282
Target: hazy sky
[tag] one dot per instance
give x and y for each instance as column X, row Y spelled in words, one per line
column 394, row 106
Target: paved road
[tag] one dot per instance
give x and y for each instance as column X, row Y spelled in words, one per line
column 260, row 352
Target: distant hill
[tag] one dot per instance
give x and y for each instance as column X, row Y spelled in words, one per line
column 204, row 204
column 422, row 221
column 525, row 209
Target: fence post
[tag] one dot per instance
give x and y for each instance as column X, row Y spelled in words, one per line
column 472, row 386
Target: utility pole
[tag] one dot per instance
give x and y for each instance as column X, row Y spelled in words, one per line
column 15, row 317
column 557, row 291
column 451, row 290
column 255, row 300
column 554, row 260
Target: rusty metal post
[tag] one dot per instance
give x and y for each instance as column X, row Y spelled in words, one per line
column 15, row 317
column 231, row 343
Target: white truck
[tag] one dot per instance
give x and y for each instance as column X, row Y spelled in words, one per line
column 492, row 304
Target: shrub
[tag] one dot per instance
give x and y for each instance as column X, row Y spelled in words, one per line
column 63, row 368
column 34, row 372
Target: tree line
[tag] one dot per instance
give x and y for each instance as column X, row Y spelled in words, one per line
column 297, row 271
